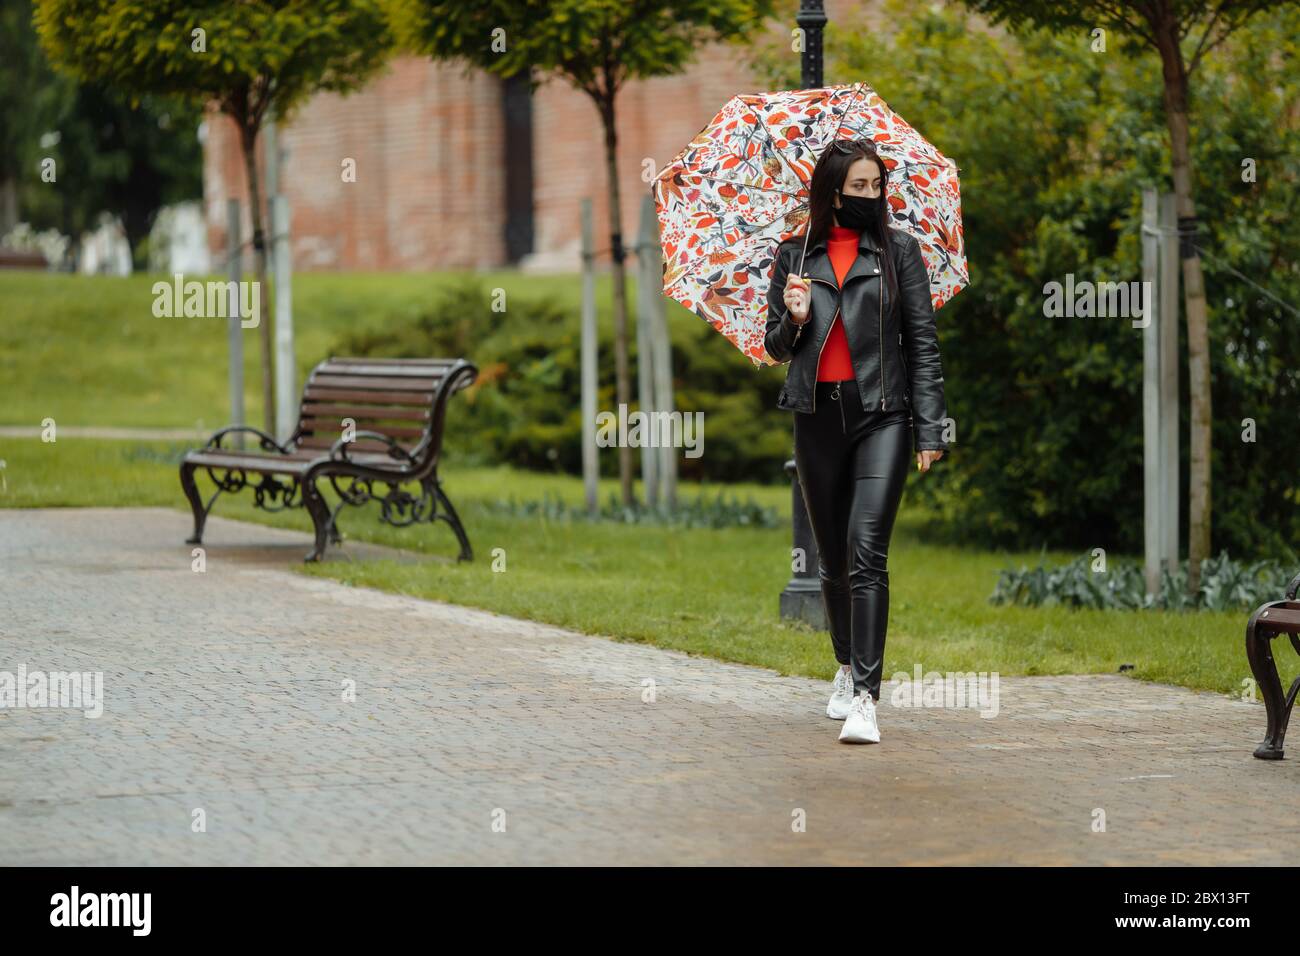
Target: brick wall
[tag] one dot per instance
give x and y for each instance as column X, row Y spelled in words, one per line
column 427, row 140
column 422, row 198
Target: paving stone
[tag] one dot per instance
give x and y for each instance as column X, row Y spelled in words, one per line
column 222, row 691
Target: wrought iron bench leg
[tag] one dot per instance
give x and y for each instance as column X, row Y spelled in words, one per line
column 450, row 516
column 1259, row 651
column 196, row 502
column 335, row 536
column 320, row 517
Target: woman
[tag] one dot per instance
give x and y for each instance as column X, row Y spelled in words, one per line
column 864, row 382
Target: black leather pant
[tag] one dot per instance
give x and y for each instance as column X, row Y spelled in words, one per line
column 852, row 466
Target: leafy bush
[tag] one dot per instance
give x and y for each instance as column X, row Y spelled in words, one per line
column 525, row 408
column 722, row 512
column 1225, row 585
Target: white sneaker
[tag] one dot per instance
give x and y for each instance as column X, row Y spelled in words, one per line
column 860, row 726
column 841, row 701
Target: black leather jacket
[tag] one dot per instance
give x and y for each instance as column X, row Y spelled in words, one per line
column 904, row 341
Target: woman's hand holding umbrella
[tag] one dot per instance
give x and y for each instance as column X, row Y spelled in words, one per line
column 796, row 298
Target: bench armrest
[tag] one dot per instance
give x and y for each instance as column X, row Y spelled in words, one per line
column 1292, row 588
column 266, row 441
column 339, row 450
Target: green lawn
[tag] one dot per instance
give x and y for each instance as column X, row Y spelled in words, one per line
column 90, row 351
column 703, row 591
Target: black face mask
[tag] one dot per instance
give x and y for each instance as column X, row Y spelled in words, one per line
column 859, row 212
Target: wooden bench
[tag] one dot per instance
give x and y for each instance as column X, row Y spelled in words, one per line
column 362, row 423
column 13, row 259
column 1269, row 621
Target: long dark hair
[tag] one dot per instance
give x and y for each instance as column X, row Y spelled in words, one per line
column 829, row 174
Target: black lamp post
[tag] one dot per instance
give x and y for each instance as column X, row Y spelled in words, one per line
column 811, row 17
column 802, row 597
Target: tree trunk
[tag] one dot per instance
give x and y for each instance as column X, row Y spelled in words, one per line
column 8, row 205
column 622, row 383
column 248, row 139
column 1198, row 345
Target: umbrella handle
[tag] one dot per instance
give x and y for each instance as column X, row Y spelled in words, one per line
column 807, row 282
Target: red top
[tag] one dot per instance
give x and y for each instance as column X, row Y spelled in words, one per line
column 835, row 364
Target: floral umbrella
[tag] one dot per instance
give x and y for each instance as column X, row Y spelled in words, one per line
column 740, row 188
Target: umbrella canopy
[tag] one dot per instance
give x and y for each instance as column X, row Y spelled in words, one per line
column 740, row 188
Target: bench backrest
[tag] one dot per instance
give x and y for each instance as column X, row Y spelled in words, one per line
column 404, row 399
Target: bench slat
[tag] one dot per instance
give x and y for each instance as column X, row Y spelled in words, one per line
column 388, row 371
column 325, row 442
column 362, row 412
column 253, row 462
column 279, row 464
column 369, row 360
column 337, row 394
column 331, row 426
column 375, row 383
column 1285, row 619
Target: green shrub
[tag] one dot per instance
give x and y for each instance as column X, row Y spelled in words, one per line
column 1225, row 585
column 1049, row 410
column 525, row 408
column 723, row 511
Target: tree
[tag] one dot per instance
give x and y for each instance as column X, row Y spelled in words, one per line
column 24, row 74
column 596, row 46
column 108, row 154
column 249, row 59
column 113, row 157
column 1164, row 25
